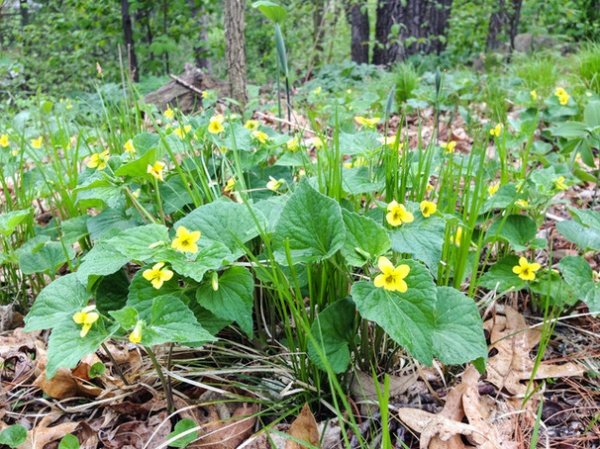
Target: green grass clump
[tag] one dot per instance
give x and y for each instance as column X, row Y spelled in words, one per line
column 589, row 66
column 537, row 72
column 407, row 80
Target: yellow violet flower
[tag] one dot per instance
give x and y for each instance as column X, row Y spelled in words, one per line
column 37, row 143
column 136, row 334
column 317, row 91
column 99, row 161
column 215, row 125
column 275, row 184
column 252, row 125
column 292, row 144
column 230, row 186
column 318, row 143
column 448, row 147
column 559, row 183
column 169, row 113
column 181, row 131
column 205, row 94
column 496, row 130
column 367, row 122
column 260, row 136
column 129, row 147
column 87, row 318
column 397, row 214
column 522, row 204
column 457, row 237
column 526, row 270
column 563, row 96
column 428, row 208
column 492, row 189
column 157, row 276
column 391, row 278
column 185, row 242
column 534, row 95
column 156, row 170
column 4, row 141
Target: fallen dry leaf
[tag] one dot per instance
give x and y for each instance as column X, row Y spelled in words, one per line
column 304, row 428
column 150, row 433
column 226, row 433
column 43, row 434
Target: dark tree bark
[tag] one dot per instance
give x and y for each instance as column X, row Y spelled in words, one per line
column 24, row 10
column 421, row 25
column 129, row 45
column 504, row 23
column 200, row 49
column 235, row 43
column 358, row 17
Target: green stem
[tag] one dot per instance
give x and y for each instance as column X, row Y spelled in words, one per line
column 166, row 385
column 115, row 364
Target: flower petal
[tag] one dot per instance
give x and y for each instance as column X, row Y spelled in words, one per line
column 385, row 265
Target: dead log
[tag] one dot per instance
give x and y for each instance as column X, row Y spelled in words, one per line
column 184, row 92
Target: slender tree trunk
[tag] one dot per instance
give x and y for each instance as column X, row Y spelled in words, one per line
column 129, row 45
column 504, row 23
column 358, row 17
column 235, row 43
column 24, row 10
column 317, row 31
column 200, row 49
column 421, row 26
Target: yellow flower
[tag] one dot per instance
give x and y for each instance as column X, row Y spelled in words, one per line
column 156, row 170
column 205, row 94
column 87, row 318
column 457, row 237
column 448, row 147
column 360, row 161
column 428, row 208
column 526, row 270
column 563, row 96
column 292, row 144
column 559, row 183
column 129, row 147
column 169, row 113
column 391, row 278
column 157, row 276
column 492, row 189
column 181, row 131
column 136, row 334
column 533, row 94
column 252, row 125
column 347, row 165
column 99, row 160
column 275, row 184
column 4, row 141
column 215, row 125
column 496, row 130
column 318, row 143
column 37, row 143
column 185, row 242
column 523, row 204
column 230, row 186
column 366, row 122
column 388, row 140
column 260, row 136
column 317, row 91
column 397, row 214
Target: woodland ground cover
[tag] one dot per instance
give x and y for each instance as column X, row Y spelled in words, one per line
column 403, row 235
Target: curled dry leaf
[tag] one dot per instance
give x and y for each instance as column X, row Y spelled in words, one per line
column 43, row 433
column 304, row 428
column 228, row 433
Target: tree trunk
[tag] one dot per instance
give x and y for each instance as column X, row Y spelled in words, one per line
column 24, row 10
column 129, row 46
column 358, row 17
column 235, row 43
column 418, row 26
column 504, row 23
column 200, row 49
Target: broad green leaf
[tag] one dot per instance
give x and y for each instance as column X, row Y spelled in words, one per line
column 584, row 237
column 579, row 275
column 40, row 255
column 139, row 166
column 143, row 142
column 57, row 302
column 66, row 348
column 103, row 190
column 234, row 298
column 10, row 220
column 358, row 143
column 140, row 243
column 356, row 181
column 108, row 221
column 173, row 321
column 365, row 239
column 142, row 293
column 570, row 130
column 102, row 260
column 271, row 10
column 312, row 224
column 458, row 330
column 174, row 195
column 97, row 370
column 13, row 436
column 112, row 291
column 591, row 114
column 423, row 238
column 183, row 426
column 127, row 317
column 271, row 209
column 408, row 317
column 333, row 331
column 209, row 321
column 549, row 284
column 518, row 230
column 74, row 229
column 222, row 221
column 501, row 277
column 504, row 197
column 209, row 257
column 69, row 442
